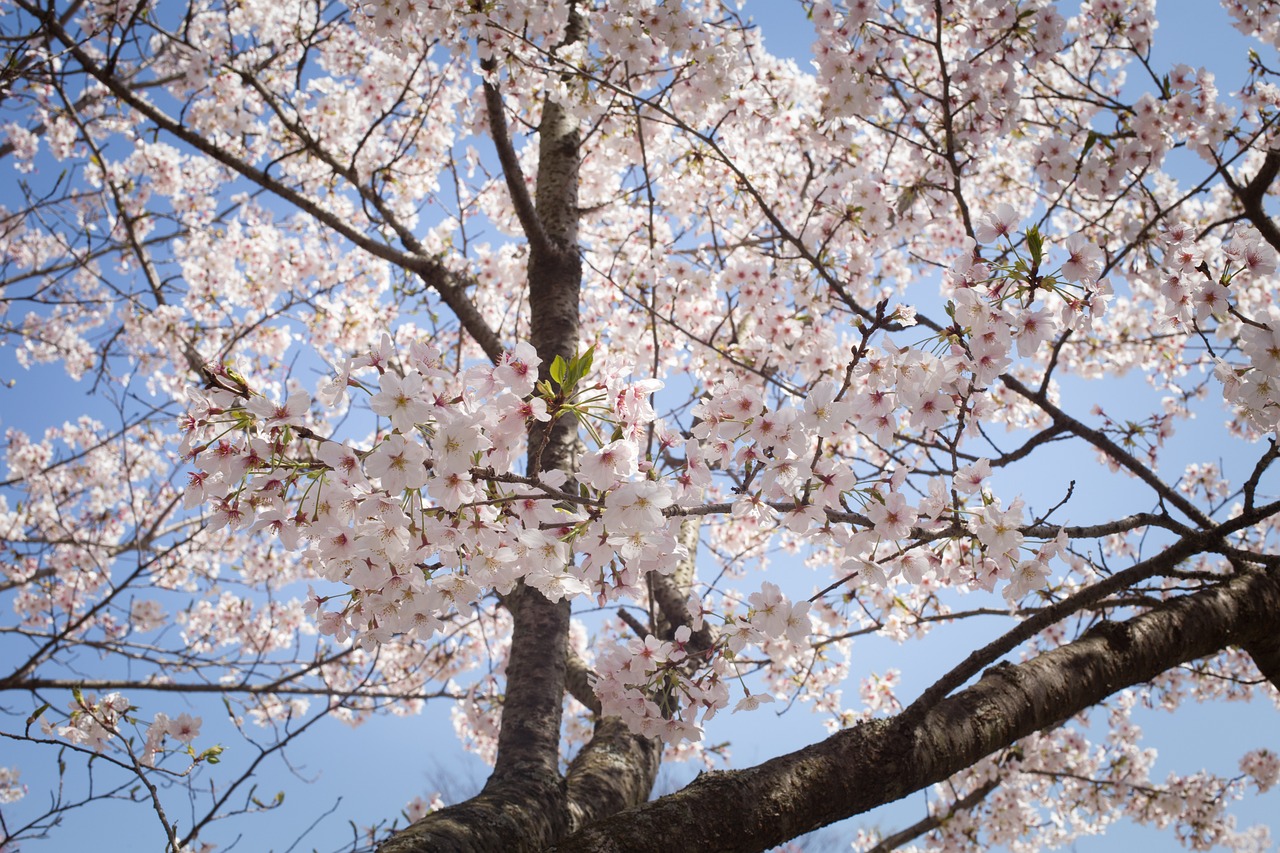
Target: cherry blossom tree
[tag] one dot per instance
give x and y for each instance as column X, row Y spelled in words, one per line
column 588, row 367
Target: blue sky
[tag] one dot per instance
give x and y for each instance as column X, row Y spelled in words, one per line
column 367, row 774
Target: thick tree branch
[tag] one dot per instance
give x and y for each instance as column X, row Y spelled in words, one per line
column 671, row 593
column 1252, row 194
column 881, row 761
column 1025, row 630
column 1164, row 562
column 511, row 171
column 578, row 677
column 615, row 771
column 1265, row 652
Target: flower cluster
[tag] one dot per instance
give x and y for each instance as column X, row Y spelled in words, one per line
column 1195, row 297
column 431, row 516
column 643, row 682
column 1263, row 767
column 661, row 690
column 10, row 790
column 96, row 723
column 93, row 722
column 183, row 728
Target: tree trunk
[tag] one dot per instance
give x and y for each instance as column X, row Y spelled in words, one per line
column 526, row 803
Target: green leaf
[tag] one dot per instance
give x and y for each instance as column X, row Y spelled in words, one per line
column 557, row 370
column 578, row 367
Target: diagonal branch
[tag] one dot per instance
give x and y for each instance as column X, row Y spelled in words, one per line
column 526, row 212
column 1166, row 561
column 881, row 761
column 1265, row 652
column 451, row 286
column 1113, row 451
column 1252, row 195
column 933, row 821
column 614, row 771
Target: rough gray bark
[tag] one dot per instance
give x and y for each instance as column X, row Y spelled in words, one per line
column 881, row 761
column 1265, row 652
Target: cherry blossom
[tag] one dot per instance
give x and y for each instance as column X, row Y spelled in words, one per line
column 592, row 367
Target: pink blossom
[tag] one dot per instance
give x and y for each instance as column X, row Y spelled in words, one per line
column 401, row 400
column 1084, row 260
column 637, row 505
column 398, row 463
column 518, row 369
column 996, row 224
column 600, row 469
column 292, row 411
column 891, row 516
column 751, row 701
column 972, row 478
column 184, row 727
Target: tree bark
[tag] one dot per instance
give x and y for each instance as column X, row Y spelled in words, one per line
column 880, row 761
column 526, row 803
